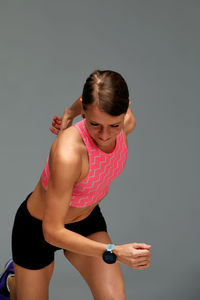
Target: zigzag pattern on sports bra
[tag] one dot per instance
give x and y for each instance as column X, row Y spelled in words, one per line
column 103, row 169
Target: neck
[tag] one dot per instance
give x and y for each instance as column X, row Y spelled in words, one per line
column 108, row 148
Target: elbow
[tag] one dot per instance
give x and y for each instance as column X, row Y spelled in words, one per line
column 131, row 124
column 52, row 234
column 48, row 233
column 134, row 122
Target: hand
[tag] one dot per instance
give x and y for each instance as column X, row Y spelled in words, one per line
column 56, row 123
column 134, row 255
column 61, row 123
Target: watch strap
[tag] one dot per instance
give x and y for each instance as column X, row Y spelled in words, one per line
column 110, row 247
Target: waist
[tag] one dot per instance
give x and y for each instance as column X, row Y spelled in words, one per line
column 36, row 206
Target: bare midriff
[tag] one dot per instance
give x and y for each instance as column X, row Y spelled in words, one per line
column 36, row 205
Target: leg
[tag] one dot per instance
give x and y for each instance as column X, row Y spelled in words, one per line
column 34, row 257
column 105, row 281
column 32, row 284
column 11, row 285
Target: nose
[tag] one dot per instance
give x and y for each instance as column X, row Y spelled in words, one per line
column 104, row 133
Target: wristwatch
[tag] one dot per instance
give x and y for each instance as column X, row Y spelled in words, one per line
column 108, row 256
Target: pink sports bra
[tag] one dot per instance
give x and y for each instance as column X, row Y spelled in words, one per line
column 103, row 169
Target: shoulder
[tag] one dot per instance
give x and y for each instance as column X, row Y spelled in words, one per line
column 67, row 150
column 68, row 141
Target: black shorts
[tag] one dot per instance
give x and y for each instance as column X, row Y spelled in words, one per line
column 29, row 248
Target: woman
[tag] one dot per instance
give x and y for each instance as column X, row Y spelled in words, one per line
column 63, row 212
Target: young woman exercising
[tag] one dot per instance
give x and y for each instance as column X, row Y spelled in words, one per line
column 63, row 212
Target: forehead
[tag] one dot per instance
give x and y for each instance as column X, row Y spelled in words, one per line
column 93, row 113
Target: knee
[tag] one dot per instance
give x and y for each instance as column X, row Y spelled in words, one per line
column 116, row 295
column 113, row 293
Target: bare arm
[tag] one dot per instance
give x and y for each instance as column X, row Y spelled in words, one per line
column 61, row 123
column 129, row 121
column 75, row 109
column 65, row 171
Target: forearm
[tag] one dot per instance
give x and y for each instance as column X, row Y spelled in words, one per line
column 75, row 242
column 75, row 109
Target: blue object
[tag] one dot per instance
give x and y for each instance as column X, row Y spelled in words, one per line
column 110, row 247
column 8, row 270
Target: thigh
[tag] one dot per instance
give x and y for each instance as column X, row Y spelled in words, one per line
column 32, row 284
column 105, row 281
column 29, row 248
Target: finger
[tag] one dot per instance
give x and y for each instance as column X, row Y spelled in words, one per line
column 143, row 260
column 53, row 130
column 57, row 126
column 141, row 246
column 143, row 264
column 143, row 267
column 142, row 253
column 57, row 121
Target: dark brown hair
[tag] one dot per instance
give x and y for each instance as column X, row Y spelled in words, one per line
column 108, row 90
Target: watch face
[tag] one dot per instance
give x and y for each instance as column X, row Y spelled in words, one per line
column 109, row 258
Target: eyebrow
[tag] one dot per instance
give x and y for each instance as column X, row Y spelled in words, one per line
column 117, row 123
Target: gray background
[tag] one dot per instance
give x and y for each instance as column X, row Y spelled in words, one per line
column 47, row 50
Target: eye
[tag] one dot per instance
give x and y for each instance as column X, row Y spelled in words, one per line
column 94, row 124
column 114, row 126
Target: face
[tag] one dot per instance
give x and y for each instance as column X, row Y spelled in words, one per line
column 102, row 127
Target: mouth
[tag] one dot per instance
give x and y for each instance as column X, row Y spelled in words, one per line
column 104, row 140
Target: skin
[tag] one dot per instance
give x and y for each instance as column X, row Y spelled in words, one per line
column 68, row 163
column 103, row 128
